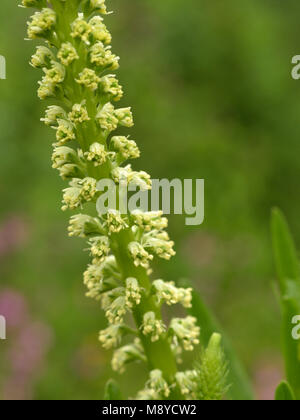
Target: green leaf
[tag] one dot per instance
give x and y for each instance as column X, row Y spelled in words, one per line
column 285, row 253
column 288, row 271
column 284, row 392
column 112, row 391
column 240, row 387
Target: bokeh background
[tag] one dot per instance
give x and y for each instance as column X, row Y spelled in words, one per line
column 211, row 89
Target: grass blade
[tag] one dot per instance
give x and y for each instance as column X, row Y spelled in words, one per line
column 112, row 391
column 288, row 270
column 240, row 388
column 284, row 392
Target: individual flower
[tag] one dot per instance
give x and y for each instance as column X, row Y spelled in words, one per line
column 127, row 354
column 89, row 79
column 41, row 24
column 139, row 255
column 55, row 74
column 42, row 57
column 99, row 246
column 65, row 132
column 53, row 115
column 125, row 175
column 132, row 292
column 62, row 155
column 124, row 115
column 106, row 118
column 79, row 114
column 88, row 187
column 186, row 331
column 158, row 384
column 67, row 54
column 110, row 86
column 149, row 220
column 79, row 192
column 71, row 198
column 117, row 309
column 158, row 242
column 102, row 56
column 115, row 221
column 46, row 89
column 99, row 30
column 169, row 293
column 101, row 277
column 83, row 225
column 81, row 29
column 111, row 336
column 70, row 170
column 96, row 154
column 127, row 149
column 186, row 382
column 152, row 326
column 99, row 5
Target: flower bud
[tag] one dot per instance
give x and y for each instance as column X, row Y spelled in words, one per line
column 42, row 57
column 106, row 118
column 67, row 54
column 169, row 293
column 99, row 5
column 102, row 56
column 55, row 74
column 89, row 79
column 65, row 132
column 124, row 115
column 127, row 354
column 158, row 384
column 79, row 114
column 111, row 336
column 99, row 30
column 159, row 243
column 110, row 86
column 149, row 220
column 187, row 383
column 83, row 225
column 132, row 292
column 81, row 29
column 139, row 255
column 152, row 326
column 97, row 154
column 99, row 246
column 115, row 221
column 53, row 114
column 41, row 24
column 186, row 331
column 127, row 149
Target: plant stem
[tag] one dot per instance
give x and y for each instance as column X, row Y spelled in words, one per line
column 159, row 354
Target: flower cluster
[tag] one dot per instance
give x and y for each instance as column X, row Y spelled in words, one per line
column 77, row 62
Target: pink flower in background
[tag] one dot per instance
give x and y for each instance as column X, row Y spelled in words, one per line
column 268, row 375
column 13, row 233
column 13, row 307
column 26, row 347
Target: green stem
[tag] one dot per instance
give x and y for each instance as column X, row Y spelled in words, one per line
column 159, row 354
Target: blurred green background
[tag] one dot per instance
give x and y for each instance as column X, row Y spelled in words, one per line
column 213, row 98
